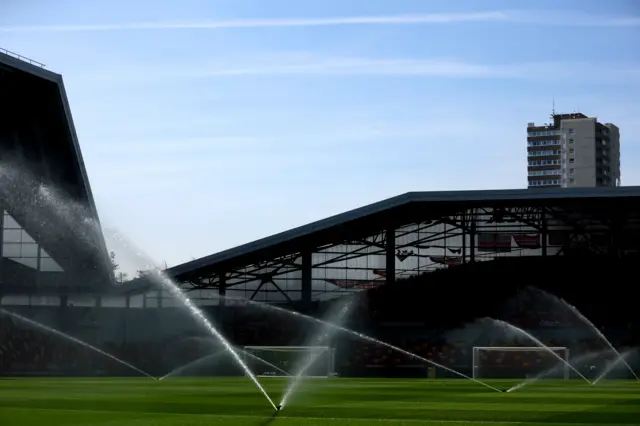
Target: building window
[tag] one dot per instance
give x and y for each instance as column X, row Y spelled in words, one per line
column 571, row 160
column 571, row 150
column 544, row 162
column 572, row 170
column 545, row 182
column 544, row 172
column 19, row 247
column 572, row 131
column 544, row 153
column 570, row 140
column 549, row 142
column 571, row 180
column 544, row 133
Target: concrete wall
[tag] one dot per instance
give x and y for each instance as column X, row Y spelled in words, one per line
column 581, row 155
column 614, row 152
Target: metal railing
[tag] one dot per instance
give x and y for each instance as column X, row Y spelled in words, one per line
column 22, row 58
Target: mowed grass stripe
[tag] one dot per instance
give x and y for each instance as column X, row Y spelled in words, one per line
column 54, row 416
column 460, row 412
column 239, row 418
column 66, row 417
column 446, row 406
column 346, row 400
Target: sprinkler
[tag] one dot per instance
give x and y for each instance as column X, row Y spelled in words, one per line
column 279, row 407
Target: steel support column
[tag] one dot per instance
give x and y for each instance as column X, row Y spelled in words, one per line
column 306, row 279
column 464, row 238
column 472, row 239
column 1, row 242
column 126, row 318
column 222, row 287
column 390, row 256
column 616, row 224
column 222, row 292
column 543, row 233
column 64, row 312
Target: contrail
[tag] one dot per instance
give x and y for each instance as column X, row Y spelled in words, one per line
column 525, row 17
column 435, row 18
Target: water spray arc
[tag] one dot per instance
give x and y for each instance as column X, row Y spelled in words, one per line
column 580, row 359
column 265, row 362
column 80, row 221
column 537, row 342
column 591, row 325
column 611, row 366
column 324, row 335
column 88, row 232
column 218, row 353
column 160, row 278
column 191, row 364
column 53, row 331
column 360, row 336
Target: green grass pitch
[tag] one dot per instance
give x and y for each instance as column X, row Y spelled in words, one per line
column 338, row 401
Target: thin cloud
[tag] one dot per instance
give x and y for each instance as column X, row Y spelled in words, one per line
column 311, row 66
column 348, row 67
column 566, row 18
column 364, row 66
column 554, row 18
column 219, row 144
column 435, row 18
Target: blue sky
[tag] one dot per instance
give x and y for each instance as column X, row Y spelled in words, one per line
column 207, row 124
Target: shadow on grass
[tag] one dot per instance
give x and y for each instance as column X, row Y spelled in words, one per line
column 268, row 420
column 595, row 416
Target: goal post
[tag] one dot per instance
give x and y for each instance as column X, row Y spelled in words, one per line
column 285, row 360
column 520, row 362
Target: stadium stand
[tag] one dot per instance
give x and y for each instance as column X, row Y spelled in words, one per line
column 427, row 265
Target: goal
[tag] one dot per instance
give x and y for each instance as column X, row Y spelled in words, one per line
column 520, row 362
column 285, row 360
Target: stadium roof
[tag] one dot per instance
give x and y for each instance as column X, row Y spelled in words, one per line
column 58, row 160
column 368, row 217
column 13, row 62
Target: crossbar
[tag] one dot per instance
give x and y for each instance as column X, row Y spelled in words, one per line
column 553, row 349
column 291, row 348
column 520, row 348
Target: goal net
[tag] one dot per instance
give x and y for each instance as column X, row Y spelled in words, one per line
column 285, row 360
column 520, row 362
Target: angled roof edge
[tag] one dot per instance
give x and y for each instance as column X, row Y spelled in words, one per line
column 297, row 232
column 24, row 66
column 76, row 146
column 409, row 197
column 41, row 72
